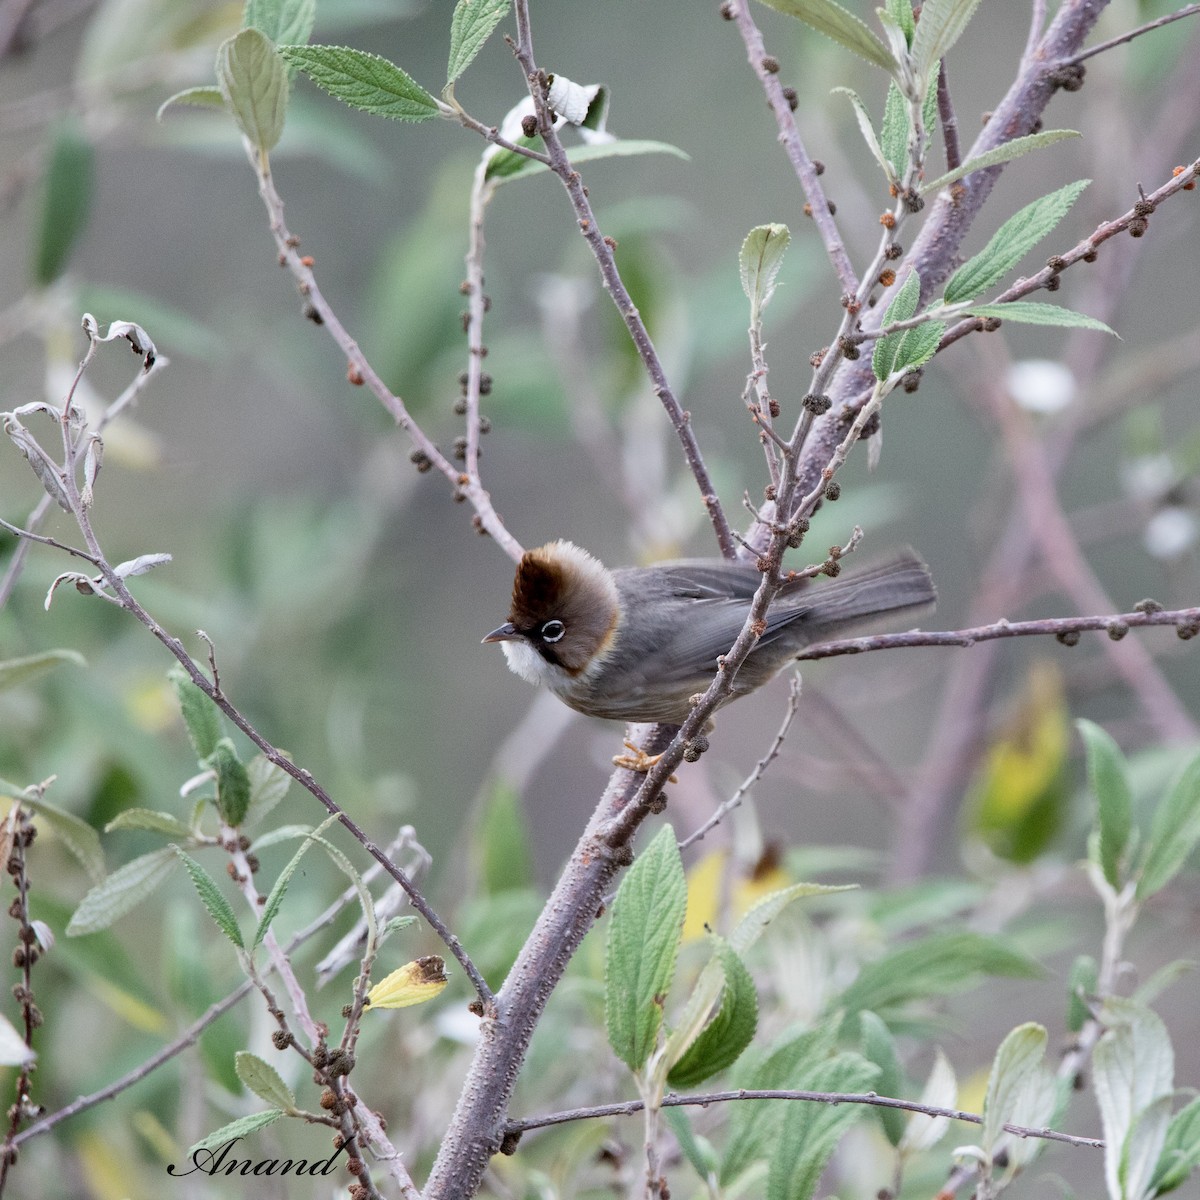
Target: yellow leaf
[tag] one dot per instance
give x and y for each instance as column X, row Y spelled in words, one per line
column 413, row 983
column 704, row 886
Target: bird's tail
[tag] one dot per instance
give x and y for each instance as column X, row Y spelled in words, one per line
column 895, row 584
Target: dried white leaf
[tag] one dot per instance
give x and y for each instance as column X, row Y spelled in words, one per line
column 140, row 565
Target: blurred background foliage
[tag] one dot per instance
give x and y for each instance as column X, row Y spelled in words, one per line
column 346, row 595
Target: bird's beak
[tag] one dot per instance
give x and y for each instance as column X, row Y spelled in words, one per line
column 506, row 633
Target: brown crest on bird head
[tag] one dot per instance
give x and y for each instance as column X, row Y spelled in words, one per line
column 559, row 582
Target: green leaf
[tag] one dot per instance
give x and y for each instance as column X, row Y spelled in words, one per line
column 279, row 890
column 751, row 927
column 471, row 26
column 233, row 782
column 283, row 21
column 1081, row 987
column 218, row 907
column 879, row 1047
column 867, row 129
column 1017, row 148
column 65, row 204
column 194, row 97
column 1108, row 779
column 643, row 943
column 941, row 25
column 697, row 1150
column 759, row 261
column 229, row 1133
column 505, row 165
column 15, row 671
column 200, row 714
column 1181, row 1149
column 253, row 82
column 145, row 818
column 843, row 27
column 810, row 1133
column 124, row 889
column 268, row 786
column 906, row 301
column 1029, row 312
column 1174, row 832
column 506, row 862
column 906, row 349
column 902, row 13
column 721, row 1042
column 1011, row 242
column 364, row 81
column 76, row 834
column 264, row 1081
column 893, row 134
column 939, row 964
column 1143, row 1147
column 1017, row 1061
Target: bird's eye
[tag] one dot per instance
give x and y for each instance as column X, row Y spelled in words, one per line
column 552, row 631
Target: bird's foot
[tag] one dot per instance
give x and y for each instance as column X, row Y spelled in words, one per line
column 639, row 761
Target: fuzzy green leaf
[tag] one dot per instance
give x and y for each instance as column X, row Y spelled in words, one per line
column 279, row 890
column 232, row 1132
column 212, row 897
column 471, row 26
column 200, row 714
column 66, row 202
column 1108, row 779
column 1174, row 832
column 723, row 1039
column 1011, row 242
column 268, row 786
column 759, row 261
column 842, row 26
column 193, row 97
column 643, row 943
column 1029, row 312
column 1181, row 1149
column 146, row 818
column 941, row 25
column 1017, row 148
column 75, row 833
column 254, row 84
column 124, row 889
column 283, row 21
column 867, row 129
column 264, row 1081
column 879, row 1047
column 364, row 81
column 893, row 133
column 902, row 13
column 233, row 782
column 1081, row 986
column 15, row 671
column 1017, row 1060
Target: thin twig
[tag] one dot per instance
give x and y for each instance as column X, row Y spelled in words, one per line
column 1188, row 10
column 868, row 1098
column 949, row 120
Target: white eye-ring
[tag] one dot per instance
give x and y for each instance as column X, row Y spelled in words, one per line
column 553, row 631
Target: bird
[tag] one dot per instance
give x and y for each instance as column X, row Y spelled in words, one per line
column 638, row 644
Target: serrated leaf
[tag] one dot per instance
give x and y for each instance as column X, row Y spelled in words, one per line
column 233, row 782
column 263, row 1080
column 879, row 1047
column 76, row 834
column 867, row 129
column 1174, row 832
column 364, row 81
column 505, row 165
column 721, row 1042
column 66, row 202
column 842, row 26
column 470, row 27
column 905, row 349
column 906, row 301
column 643, row 943
column 145, row 818
column 1081, row 987
column 893, row 133
column 194, row 97
column 268, row 786
column 212, row 897
column 232, row 1132
column 254, row 84
column 750, row 928
column 809, row 1133
column 1017, row 1061
column 1017, row 148
column 1181, row 1149
column 1029, row 312
column 279, row 890
column 123, row 890
column 347, row 868
column 1143, row 1147
column 1108, row 780
column 200, row 714
column 504, row 842
column 902, row 13
column 16, row 671
column 936, row 965
column 940, row 1091
column 759, row 261
column 941, row 25
column 283, row 21
column 1011, row 242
